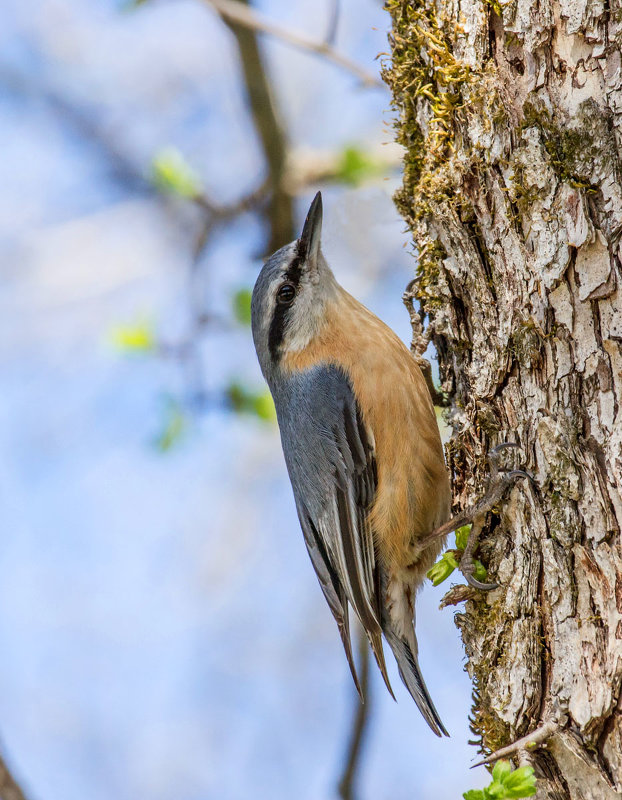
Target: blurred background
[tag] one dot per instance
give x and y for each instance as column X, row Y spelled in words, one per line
column 162, row 633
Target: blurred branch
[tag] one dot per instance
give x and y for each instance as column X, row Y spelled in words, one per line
column 9, row 788
column 247, row 202
column 309, row 167
column 333, row 21
column 346, row 786
column 280, row 212
column 238, row 13
column 129, row 174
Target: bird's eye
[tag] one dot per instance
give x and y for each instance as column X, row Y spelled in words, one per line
column 285, row 295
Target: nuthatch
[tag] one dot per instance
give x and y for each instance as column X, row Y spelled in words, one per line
column 362, row 449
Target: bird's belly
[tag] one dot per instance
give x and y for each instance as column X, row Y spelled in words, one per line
column 405, row 512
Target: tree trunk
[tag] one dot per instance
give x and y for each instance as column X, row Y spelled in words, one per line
column 510, row 115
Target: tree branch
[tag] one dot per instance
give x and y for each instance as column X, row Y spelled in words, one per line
column 9, row 788
column 333, row 21
column 266, row 119
column 238, row 13
column 346, row 785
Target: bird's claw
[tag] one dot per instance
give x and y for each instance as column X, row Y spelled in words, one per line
column 494, row 462
column 467, row 568
column 498, row 483
column 503, row 446
column 520, row 473
column 483, row 587
column 494, row 456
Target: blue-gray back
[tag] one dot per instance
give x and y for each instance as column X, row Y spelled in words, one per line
column 331, row 463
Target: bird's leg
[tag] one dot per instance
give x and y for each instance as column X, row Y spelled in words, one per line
column 498, row 483
column 467, row 564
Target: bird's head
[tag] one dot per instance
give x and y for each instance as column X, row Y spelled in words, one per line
column 291, row 295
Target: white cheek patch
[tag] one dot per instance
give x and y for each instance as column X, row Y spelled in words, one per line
column 306, row 317
column 300, row 339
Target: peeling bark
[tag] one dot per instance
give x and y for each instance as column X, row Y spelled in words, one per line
column 511, row 115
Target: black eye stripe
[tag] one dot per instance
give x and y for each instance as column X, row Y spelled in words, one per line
column 277, row 329
column 280, row 317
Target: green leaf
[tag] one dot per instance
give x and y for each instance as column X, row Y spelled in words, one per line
column 473, row 794
column 237, row 397
column 439, row 572
column 495, row 791
column 480, row 573
column 241, row 303
column 501, row 770
column 173, row 428
column 462, row 537
column 520, row 783
column 172, row 174
column 507, row 784
column 355, row 166
column 524, row 790
column 244, row 401
column 443, row 568
column 264, row 407
column 137, row 338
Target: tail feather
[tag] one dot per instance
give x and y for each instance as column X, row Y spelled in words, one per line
column 343, row 623
column 413, row 680
column 375, row 640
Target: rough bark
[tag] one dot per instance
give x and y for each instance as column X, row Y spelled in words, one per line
column 511, row 118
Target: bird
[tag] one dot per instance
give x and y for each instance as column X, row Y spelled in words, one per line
column 362, row 449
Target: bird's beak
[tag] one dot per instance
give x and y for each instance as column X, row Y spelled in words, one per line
column 309, row 242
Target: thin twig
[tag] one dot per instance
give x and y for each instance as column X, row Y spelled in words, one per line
column 529, row 742
column 225, row 213
column 333, row 21
column 9, row 788
column 419, row 343
column 82, row 121
column 239, row 14
column 346, row 786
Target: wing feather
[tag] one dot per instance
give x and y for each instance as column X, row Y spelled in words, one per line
column 333, row 591
column 332, row 465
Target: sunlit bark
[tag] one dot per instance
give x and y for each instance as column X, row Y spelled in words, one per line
column 510, row 115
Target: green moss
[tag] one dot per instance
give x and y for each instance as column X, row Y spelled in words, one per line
column 429, row 260
column 449, row 114
column 524, row 194
column 572, row 150
column 436, row 94
column 425, row 68
column 427, row 81
column 490, row 732
column 487, row 420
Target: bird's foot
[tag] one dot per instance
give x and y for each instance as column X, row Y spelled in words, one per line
column 467, row 564
column 498, row 483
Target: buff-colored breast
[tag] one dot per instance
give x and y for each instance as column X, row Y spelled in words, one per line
column 413, row 495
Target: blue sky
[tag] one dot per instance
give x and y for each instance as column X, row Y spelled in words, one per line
column 162, row 633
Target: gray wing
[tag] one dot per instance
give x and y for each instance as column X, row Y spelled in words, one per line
column 332, row 467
